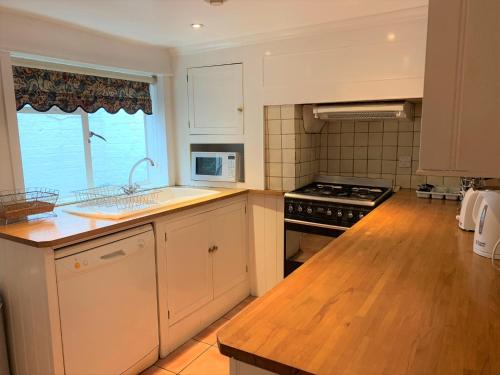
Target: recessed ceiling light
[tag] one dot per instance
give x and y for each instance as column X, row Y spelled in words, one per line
column 197, row 25
column 215, row 2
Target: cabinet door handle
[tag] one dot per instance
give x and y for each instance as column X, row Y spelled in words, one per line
column 240, row 109
column 211, row 249
column 216, row 248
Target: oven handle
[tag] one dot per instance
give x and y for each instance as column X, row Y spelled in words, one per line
column 317, row 225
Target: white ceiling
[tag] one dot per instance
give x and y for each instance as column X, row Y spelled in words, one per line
column 167, row 22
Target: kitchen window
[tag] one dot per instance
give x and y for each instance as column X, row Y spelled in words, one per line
column 73, row 151
column 78, row 131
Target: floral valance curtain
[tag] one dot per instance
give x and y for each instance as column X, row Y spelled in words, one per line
column 42, row 89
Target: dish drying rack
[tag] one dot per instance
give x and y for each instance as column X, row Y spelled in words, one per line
column 27, row 204
column 114, row 196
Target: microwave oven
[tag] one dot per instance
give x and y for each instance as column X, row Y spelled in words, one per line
column 215, row 166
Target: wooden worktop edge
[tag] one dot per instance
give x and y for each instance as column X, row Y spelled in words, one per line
column 120, row 225
column 257, row 361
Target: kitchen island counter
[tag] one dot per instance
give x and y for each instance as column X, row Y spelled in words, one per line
column 401, row 292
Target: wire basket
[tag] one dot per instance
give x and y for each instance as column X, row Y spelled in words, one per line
column 114, row 196
column 16, row 205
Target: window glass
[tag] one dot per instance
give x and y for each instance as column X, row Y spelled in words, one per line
column 65, row 151
column 125, row 144
column 52, row 151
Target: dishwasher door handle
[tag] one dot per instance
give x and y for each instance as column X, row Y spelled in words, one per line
column 114, row 254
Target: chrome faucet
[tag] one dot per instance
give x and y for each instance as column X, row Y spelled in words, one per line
column 132, row 188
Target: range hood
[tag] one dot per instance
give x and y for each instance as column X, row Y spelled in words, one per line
column 400, row 110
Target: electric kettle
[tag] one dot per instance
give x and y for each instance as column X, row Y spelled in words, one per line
column 465, row 218
column 486, row 213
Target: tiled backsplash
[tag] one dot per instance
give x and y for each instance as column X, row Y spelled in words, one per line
column 375, row 149
column 292, row 157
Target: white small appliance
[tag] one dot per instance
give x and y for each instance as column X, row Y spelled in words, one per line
column 466, row 218
column 108, row 304
column 215, row 166
column 486, row 213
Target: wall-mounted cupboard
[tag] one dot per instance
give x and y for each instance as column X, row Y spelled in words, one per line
column 461, row 106
column 215, row 99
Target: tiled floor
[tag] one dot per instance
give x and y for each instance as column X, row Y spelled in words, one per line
column 200, row 355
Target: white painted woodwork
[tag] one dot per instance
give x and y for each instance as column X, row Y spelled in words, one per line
column 29, row 290
column 241, row 368
column 277, row 72
column 189, row 265
column 461, row 106
column 229, row 232
column 266, row 241
column 195, row 286
column 215, row 99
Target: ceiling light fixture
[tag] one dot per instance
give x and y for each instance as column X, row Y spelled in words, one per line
column 215, row 2
column 197, row 26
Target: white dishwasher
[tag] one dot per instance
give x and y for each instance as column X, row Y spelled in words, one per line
column 108, row 304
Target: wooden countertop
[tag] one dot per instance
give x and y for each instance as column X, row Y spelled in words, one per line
column 399, row 293
column 67, row 228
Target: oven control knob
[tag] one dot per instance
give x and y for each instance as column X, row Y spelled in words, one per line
column 339, row 213
column 350, row 215
column 309, row 210
column 361, row 215
column 328, row 212
column 299, row 208
column 290, row 208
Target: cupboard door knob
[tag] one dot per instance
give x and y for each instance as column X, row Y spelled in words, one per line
column 210, row 249
column 240, row 109
column 216, row 248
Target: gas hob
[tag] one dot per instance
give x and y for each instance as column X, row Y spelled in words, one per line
column 335, row 202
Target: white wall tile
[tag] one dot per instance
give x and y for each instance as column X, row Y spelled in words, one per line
column 274, row 126
column 389, row 152
column 361, row 139
column 333, row 152
column 404, row 181
column 376, row 127
column 405, row 139
column 288, row 126
column 288, row 141
column 390, row 126
column 334, row 127
column 361, row 126
column 375, row 139
column 288, row 170
column 273, row 112
column 360, row 152
column 347, row 126
column 288, row 156
column 275, row 170
column 347, row 139
column 274, row 141
column 346, row 166
column 374, row 152
column 405, row 126
column 333, row 140
column 346, row 152
column 374, row 166
column 390, row 139
column 360, row 166
column 288, row 183
column 287, row 111
column 389, row 166
column 435, row 180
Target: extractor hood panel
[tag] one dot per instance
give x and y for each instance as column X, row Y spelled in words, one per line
column 364, row 111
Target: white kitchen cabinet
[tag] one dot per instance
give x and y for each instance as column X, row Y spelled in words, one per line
column 215, row 99
column 189, row 268
column 461, row 106
column 202, row 268
column 230, row 257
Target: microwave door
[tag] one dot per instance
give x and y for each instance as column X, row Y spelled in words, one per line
column 208, row 166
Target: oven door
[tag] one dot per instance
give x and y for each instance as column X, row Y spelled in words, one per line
column 305, row 239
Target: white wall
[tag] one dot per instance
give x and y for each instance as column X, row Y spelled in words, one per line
column 380, row 57
column 22, row 32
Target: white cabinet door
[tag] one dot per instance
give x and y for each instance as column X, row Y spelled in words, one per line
column 229, row 228
column 189, row 266
column 461, row 105
column 215, row 99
